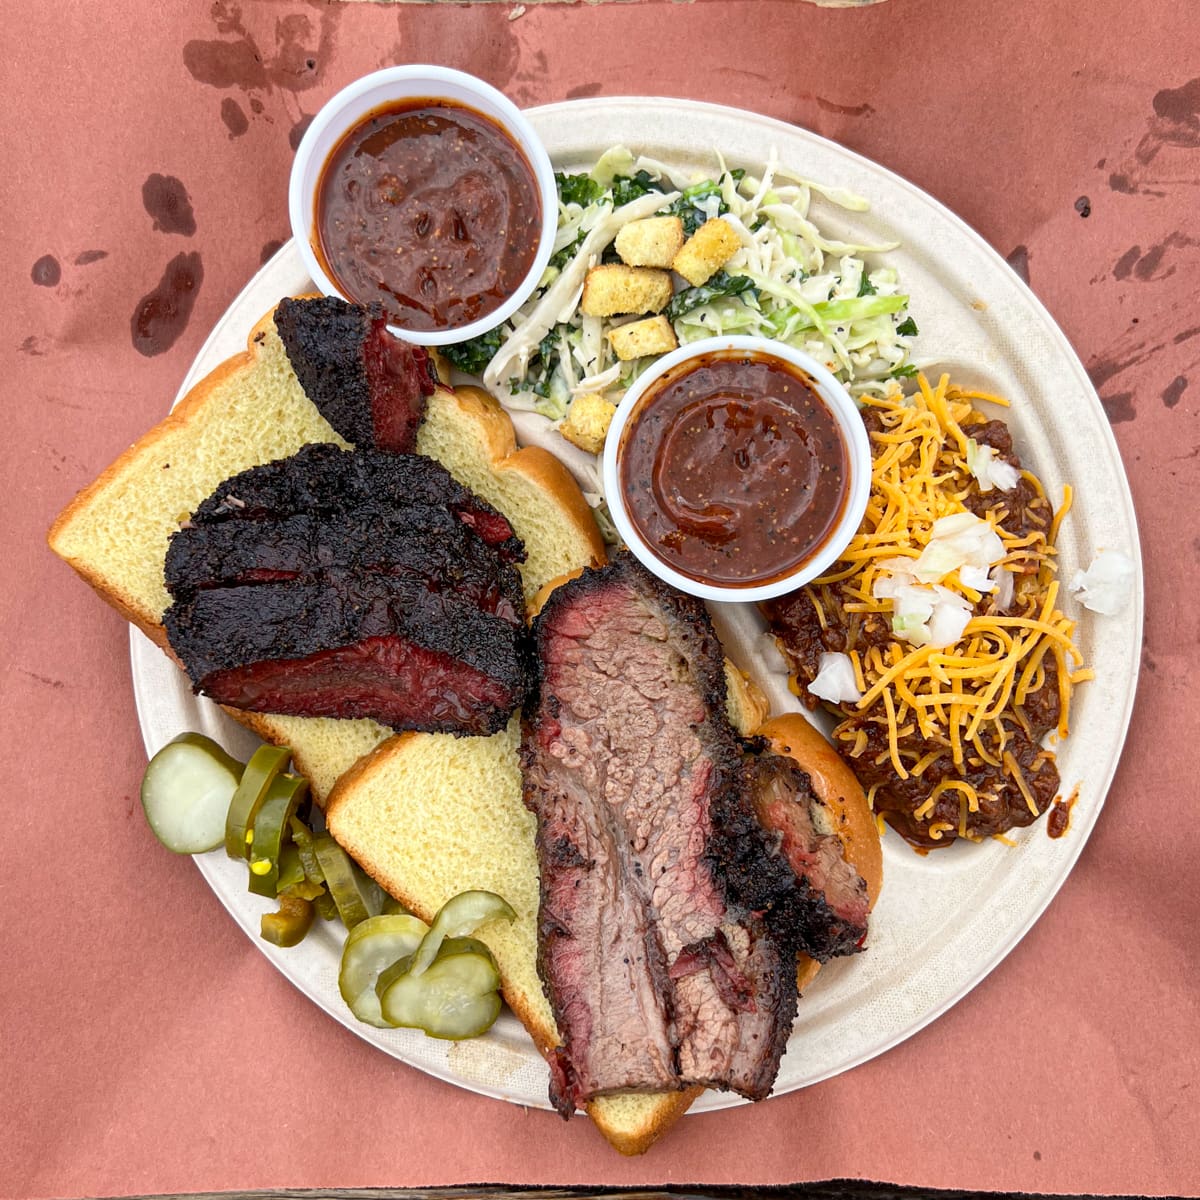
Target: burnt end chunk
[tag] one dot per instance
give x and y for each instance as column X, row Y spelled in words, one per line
column 351, row 584
column 658, row 976
column 827, row 909
column 420, row 542
column 370, row 386
column 321, row 478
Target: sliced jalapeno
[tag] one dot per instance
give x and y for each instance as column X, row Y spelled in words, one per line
column 460, row 915
column 270, row 828
column 371, row 947
column 342, row 880
column 265, row 763
column 288, row 926
column 456, row 997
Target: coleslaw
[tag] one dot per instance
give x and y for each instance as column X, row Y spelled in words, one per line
column 787, row 282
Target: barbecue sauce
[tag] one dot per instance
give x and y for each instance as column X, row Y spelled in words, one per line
column 431, row 209
column 733, row 469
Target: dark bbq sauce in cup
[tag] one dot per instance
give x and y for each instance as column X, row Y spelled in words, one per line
column 733, row 469
column 431, row 209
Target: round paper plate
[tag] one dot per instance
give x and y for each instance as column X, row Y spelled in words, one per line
column 944, row 920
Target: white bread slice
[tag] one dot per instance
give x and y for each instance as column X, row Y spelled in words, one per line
column 251, row 410
column 429, row 816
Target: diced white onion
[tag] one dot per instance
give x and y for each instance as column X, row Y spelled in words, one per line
column 989, row 468
column 1107, row 585
column 835, row 681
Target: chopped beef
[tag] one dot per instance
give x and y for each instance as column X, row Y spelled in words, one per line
column 321, row 478
column 659, row 973
column 351, row 584
column 828, row 908
column 369, row 385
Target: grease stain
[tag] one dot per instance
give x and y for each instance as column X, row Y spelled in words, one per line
column 1124, row 264
column 46, row 272
column 1083, row 206
column 162, row 314
column 1174, row 391
column 584, row 90
column 1119, row 407
column 1018, row 259
column 297, row 131
column 844, row 110
column 32, row 346
column 234, row 117
column 168, row 203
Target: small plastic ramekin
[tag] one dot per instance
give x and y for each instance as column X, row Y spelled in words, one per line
column 419, row 81
column 854, row 437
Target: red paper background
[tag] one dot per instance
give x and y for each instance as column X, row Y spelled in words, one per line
column 147, row 1046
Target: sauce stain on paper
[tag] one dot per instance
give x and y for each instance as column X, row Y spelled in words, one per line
column 46, row 271
column 167, row 201
column 162, row 314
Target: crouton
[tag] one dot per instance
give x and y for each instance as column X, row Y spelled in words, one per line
column 706, row 251
column 654, row 335
column 587, row 422
column 614, row 289
column 651, row 242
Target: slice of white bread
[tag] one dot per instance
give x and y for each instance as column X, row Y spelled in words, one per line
column 429, row 816
column 251, row 410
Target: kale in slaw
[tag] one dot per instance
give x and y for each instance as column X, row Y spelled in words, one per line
column 787, row 282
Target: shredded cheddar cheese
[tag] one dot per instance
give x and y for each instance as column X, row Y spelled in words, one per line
column 971, row 699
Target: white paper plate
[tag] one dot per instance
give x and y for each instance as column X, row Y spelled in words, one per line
column 944, row 921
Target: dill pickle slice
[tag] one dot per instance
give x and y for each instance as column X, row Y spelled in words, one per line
column 460, row 915
column 186, row 792
column 372, row 946
column 265, row 763
column 456, row 997
column 270, row 828
column 288, row 926
column 342, row 880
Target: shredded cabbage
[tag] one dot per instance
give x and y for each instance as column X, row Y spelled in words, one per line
column 788, row 282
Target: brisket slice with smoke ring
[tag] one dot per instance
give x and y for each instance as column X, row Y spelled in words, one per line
column 827, row 910
column 322, row 478
column 659, row 978
column 370, row 386
column 380, row 646
column 421, row 542
column 351, row 583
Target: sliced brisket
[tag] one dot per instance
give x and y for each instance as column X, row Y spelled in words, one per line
column 369, row 385
column 351, row 584
column 827, row 909
column 659, row 976
column 372, row 645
